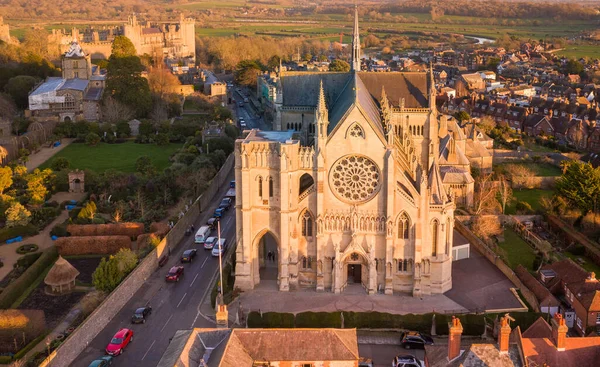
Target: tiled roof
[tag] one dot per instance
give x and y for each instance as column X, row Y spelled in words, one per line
column 579, row 352
column 473, row 355
column 539, row 329
column 567, row 271
column 542, row 294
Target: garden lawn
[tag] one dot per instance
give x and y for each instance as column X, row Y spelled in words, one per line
column 517, row 251
column 531, row 196
column 120, row 157
column 589, row 264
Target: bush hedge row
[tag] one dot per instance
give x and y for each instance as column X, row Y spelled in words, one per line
column 472, row 324
column 14, row 290
column 92, row 245
column 20, row 325
column 129, row 229
column 29, row 259
column 11, row 232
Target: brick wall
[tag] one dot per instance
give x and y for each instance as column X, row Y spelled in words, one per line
column 87, row 331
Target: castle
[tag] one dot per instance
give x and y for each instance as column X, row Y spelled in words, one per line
column 4, row 31
column 357, row 189
column 174, row 41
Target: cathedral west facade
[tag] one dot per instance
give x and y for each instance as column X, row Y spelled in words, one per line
column 357, row 188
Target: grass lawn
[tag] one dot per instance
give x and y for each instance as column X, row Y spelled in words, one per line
column 517, row 251
column 120, row 157
column 543, row 169
column 589, row 265
column 532, row 196
column 578, row 51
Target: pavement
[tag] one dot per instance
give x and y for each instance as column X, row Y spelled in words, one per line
column 45, row 153
column 175, row 306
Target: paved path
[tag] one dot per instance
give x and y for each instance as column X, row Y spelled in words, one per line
column 37, row 159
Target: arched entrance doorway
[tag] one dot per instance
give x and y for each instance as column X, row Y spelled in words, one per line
column 268, row 257
column 356, row 273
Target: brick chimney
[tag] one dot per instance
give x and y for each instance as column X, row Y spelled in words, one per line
column 456, row 330
column 559, row 331
column 504, row 335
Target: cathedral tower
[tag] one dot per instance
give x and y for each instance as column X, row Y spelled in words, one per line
column 355, row 43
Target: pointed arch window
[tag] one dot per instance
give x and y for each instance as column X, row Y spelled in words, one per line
column 270, row 187
column 307, row 225
column 355, row 131
column 403, row 226
column 434, row 237
column 260, row 185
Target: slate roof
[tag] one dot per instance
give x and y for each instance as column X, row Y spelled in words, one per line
column 454, row 175
column 75, row 84
column 543, row 295
column 93, row 94
column 50, row 85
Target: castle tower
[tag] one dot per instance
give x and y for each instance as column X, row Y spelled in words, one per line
column 4, row 31
column 355, row 43
column 187, row 27
column 76, row 63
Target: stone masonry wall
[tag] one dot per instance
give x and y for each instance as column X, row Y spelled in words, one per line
column 87, row 331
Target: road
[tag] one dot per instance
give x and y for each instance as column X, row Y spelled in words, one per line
column 253, row 121
column 174, row 305
column 383, row 355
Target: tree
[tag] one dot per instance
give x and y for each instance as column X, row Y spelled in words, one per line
column 6, row 181
column 37, row 183
column 520, row 175
column 574, row 67
column 505, row 194
column 122, row 47
column 92, row 139
column 35, row 41
column 60, row 163
column 17, row 215
column 123, row 129
column 273, row 63
column 88, row 211
column 8, row 108
column 485, row 195
column 486, row 124
column 18, row 88
column 107, row 276
column 162, row 81
column 339, row 65
column 144, row 165
column 162, row 139
column 486, row 226
column 114, row 111
column 372, row 41
column 126, row 260
column 579, row 185
column 462, row 116
column 246, row 73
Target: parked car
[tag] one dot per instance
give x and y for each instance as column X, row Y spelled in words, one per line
column 246, row 100
column 407, row 360
column 241, row 104
column 415, row 340
column 140, row 315
column 102, row 362
column 243, row 125
column 163, row 260
column 118, row 343
column 219, row 213
column 225, row 203
column 221, row 247
column 212, row 222
column 188, row 256
column 210, row 243
column 174, row 274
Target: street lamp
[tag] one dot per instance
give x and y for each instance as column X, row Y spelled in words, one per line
column 220, row 250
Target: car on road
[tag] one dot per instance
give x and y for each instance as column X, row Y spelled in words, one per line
column 232, row 184
column 174, row 274
column 118, row 343
column 243, row 125
column 140, row 315
column 241, row 104
column 239, row 90
column 219, row 213
column 246, row 100
column 221, row 247
column 407, row 360
column 212, row 222
column 415, row 340
column 188, row 255
column 102, row 362
column 225, row 203
column 210, row 243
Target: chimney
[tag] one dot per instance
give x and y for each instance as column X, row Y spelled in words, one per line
column 456, row 330
column 504, row 335
column 559, row 331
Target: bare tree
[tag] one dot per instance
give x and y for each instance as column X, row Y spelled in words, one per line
column 159, row 111
column 505, row 193
column 114, row 111
column 520, row 175
column 486, row 226
column 485, row 201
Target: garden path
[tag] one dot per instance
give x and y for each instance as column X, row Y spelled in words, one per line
column 8, row 253
column 45, row 153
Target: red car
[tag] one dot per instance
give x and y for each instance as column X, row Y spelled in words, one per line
column 118, row 343
column 174, row 274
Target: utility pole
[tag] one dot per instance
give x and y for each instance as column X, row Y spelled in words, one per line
column 220, row 251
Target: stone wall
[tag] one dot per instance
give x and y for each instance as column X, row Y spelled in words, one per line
column 570, row 235
column 89, row 329
column 496, row 260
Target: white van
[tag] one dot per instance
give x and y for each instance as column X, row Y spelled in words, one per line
column 202, row 234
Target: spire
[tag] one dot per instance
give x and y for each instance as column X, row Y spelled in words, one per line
column 321, row 113
column 386, row 111
column 355, row 42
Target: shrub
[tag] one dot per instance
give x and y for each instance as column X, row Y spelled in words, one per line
column 17, row 215
column 83, row 245
column 60, row 163
column 130, row 229
column 25, row 249
column 60, row 230
column 319, row 320
column 28, row 230
column 21, row 353
column 277, row 320
column 159, row 228
column 162, row 139
column 92, row 139
column 523, row 207
column 27, row 260
column 123, row 129
column 15, row 289
column 111, row 272
column 88, row 211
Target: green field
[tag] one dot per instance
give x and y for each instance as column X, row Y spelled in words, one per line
column 578, row 51
column 120, row 157
column 540, row 169
column 589, row 265
column 532, row 196
column 516, row 250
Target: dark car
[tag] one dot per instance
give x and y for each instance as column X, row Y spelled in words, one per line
column 232, row 184
column 415, row 340
column 406, row 360
column 140, row 315
column 188, row 256
column 225, row 203
column 103, row 361
column 219, row 212
column 212, row 222
column 174, row 274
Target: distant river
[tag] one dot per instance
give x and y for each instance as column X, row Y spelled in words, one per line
column 481, row 39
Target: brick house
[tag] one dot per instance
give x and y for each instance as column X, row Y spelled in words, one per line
column 537, row 124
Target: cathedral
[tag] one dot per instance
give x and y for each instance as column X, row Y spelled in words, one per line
column 355, row 189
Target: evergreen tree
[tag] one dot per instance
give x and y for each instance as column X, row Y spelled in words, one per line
column 579, row 185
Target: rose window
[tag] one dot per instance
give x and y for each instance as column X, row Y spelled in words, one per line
column 355, row 178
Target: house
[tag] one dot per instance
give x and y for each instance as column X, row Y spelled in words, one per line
column 578, row 133
column 537, row 124
column 262, row 347
column 515, row 117
column 580, row 292
column 467, row 83
column 523, row 90
column 547, row 303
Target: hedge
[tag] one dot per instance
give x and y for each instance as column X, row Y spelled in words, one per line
column 27, row 260
column 19, row 324
column 14, row 290
column 129, row 229
column 11, row 232
column 21, row 353
column 381, row 320
column 319, row 320
column 92, row 245
column 271, row 320
column 5, row 360
column 59, row 230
